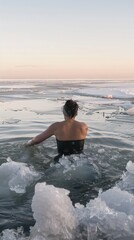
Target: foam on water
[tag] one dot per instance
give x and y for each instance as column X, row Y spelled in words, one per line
column 17, row 175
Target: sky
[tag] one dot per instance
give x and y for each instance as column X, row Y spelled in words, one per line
column 67, row 39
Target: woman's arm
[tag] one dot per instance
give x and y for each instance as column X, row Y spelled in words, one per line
column 43, row 136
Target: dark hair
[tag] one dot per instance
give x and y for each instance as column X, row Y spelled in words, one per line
column 71, row 108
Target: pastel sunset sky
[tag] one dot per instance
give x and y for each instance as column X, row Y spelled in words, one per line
column 70, row 39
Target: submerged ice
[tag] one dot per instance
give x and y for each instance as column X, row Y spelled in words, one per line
column 75, row 166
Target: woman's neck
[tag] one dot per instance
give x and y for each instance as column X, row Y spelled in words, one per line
column 69, row 119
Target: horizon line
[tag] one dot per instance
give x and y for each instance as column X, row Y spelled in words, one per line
column 80, row 79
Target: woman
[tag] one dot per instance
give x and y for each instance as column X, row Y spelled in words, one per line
column 70, row 134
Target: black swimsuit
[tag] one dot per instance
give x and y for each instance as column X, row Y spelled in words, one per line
column 69, row 147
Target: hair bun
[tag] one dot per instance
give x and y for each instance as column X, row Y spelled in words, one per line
column 71, row 108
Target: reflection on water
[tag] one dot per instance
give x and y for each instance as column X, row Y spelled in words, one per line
column 87, row 196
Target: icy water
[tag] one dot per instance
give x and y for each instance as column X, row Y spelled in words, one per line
column 88, row 196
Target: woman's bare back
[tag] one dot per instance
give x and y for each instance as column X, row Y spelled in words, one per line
column 70, row 130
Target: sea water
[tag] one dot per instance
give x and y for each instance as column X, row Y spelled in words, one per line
column 87, row 196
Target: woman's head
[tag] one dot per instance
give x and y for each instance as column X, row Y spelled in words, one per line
column 70, row 108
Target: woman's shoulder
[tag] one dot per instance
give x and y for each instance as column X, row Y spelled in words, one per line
column 82, row 124
column 56, row 124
